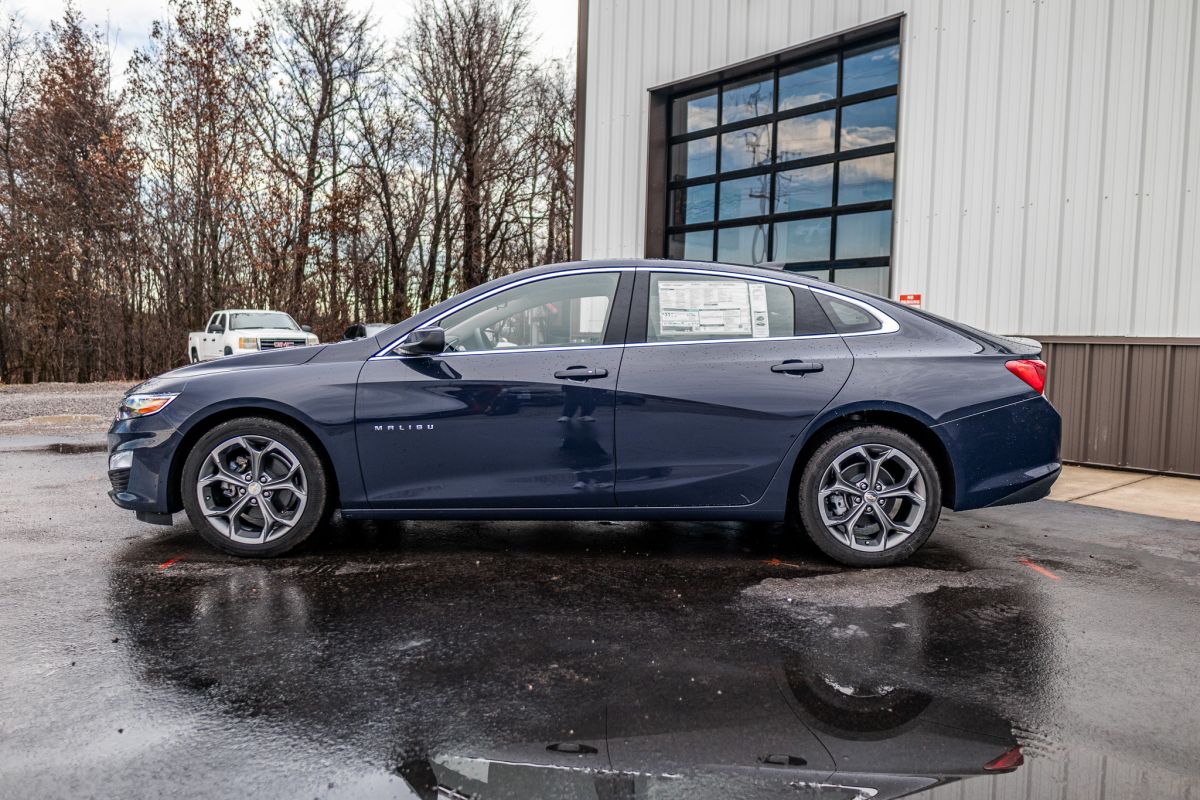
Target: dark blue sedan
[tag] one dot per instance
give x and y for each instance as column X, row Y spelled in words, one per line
column 605, row 390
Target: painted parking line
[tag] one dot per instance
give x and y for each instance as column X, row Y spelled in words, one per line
column 1039, row 569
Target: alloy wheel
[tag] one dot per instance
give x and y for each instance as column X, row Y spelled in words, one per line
column 252, row 489
column 872, row 497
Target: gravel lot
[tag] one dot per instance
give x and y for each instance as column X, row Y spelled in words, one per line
column 59, row 407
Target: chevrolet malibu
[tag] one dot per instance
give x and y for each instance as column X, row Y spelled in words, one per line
column 646, row 390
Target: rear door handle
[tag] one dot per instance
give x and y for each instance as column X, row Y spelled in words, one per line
column 581, row 373
column 796, row 367
column 782, row 760
column 574, row 748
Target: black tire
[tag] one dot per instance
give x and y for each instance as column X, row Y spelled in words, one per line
column 195, row 356
column 228, row 351
column 311, row 516
column 806, row 500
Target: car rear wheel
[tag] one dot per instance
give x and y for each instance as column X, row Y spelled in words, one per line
column 195, row 356
column 254, row 487
column 869, row 496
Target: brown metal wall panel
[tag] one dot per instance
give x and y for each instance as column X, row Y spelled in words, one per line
column 1145, row 387
column 1064, row 381
column 1105, row 401
column 1127, row 402
column 1183, row 441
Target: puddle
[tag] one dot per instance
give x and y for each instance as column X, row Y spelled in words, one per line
column 882, row 588
column 76, row 448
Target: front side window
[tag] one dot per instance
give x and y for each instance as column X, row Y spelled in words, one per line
column 793, row 165
column 567, row 311
column 687, row 307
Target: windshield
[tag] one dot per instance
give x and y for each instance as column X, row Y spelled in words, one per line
column 262, row 319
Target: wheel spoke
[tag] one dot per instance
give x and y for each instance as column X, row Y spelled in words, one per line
column 270, row 519
column 850, row 519
column 885, row 527
column 840, row 485
column 903, row 494
column 875, row 463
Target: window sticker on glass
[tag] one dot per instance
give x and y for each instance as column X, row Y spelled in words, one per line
column 712, row 308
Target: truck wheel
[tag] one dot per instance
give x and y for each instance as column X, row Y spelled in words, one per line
column 195, row 356
column 228, row 350
column 254, row 487
column 869, row 496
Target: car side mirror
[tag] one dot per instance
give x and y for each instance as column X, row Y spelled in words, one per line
column 306, row 328
column 215, row 329
column 423, row 342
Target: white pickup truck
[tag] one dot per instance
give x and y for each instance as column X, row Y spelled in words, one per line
column 234, row 331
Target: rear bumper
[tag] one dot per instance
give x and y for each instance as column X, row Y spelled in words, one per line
column 1036, row 490
column 1003, row 456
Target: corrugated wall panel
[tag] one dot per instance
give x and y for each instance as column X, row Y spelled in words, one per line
column 1128, row 402
column 1183, row 447
column 1048, row 165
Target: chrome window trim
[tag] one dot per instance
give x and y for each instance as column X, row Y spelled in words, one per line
column 512, row 350
column 887, row 324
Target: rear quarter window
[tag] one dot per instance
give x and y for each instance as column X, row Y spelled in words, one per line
column 848, row 317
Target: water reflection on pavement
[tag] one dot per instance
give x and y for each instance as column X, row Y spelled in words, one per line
column 523, row 661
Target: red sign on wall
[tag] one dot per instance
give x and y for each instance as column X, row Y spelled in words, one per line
column 911, row 300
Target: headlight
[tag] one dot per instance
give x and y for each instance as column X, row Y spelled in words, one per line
column 122, row 459
column 143, row 405
column 247, row 344
column 311, row 339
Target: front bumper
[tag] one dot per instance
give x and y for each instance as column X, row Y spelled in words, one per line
column 144, row 487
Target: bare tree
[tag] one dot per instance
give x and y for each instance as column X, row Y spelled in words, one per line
column 467, row 59
column 321, row 52
column 291, row 164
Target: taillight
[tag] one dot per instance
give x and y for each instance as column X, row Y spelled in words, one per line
column 1007, row 762
column 1030, row 370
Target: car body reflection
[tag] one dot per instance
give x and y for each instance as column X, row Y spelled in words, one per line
column 793, row 734
column 570, row 672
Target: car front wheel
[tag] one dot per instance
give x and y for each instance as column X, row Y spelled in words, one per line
column 254, row 487
column 869, row 496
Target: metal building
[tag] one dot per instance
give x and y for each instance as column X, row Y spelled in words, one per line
column 1030, row 167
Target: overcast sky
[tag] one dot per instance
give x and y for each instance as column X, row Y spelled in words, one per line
column 128, row 22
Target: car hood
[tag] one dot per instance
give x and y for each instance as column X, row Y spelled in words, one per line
column 284, row 357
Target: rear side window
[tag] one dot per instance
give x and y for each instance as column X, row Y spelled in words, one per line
column 687, row 307
column 848, row 317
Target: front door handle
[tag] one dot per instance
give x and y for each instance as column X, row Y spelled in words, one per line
column 795, row 367
column 581, row 373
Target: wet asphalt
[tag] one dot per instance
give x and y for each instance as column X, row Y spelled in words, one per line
column 598, row 660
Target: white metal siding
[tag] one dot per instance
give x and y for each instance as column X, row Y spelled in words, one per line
column 1048, row 155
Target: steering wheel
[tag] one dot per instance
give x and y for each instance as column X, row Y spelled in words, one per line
column 488, row 338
